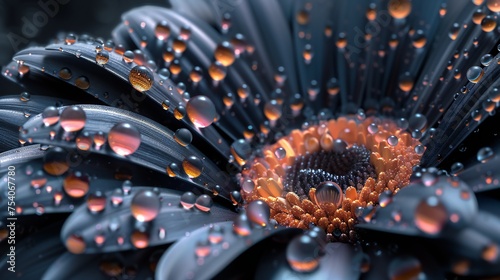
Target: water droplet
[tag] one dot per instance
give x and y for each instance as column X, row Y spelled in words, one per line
column 241, row 225
column 204, row 202
column 50, row 116
column 76, row 185
column 493, row 5
column 455, row 28
column 145, row 206
column 55, row 161
column 188, row 199
column 392, row 140
column 417, row 121
column 117, row 197
column 193, row 166
column 139, row 239
column 173, row 170
column 485, row 154
column 385, row 198
column 456, row 168
column 241, row 150
column 224, row 53
column 280, row 153
column 124, row 139
column 303, row 253
column 329, row 192
column 82, row 82
column 217, row 71
column 488, row 23
column 96, row 202
column 84, row 141
column 99, row 140
column 399, row 9
column 273, row 110
column 486, row 59
column 474, row 74
column 258, row 212
column 162, row 30
column 73, row 119
column 70, row 39
column 128, row 56
column 430, row 216
column 183, row 137
column 406, row 82
column 102, row 57
column 75, row 244
column 339, row 146
column 65, row 73
column 201, row 111
column 215, row 234
column 248, row 185
column 141, row 78
column 203, row 249
column 372, row 128
column 179, row 112
column 24, row 96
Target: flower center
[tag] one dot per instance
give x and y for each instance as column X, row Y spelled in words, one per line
column 328, row 173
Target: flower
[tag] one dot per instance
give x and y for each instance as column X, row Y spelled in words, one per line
column 266, row 139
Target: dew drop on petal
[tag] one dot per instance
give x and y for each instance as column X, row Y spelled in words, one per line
column 399, row 9
column 82, row 82
column 241, row 225
column 215, row 234
column 217, row 71
column 192, row 166
column 431, row 216
column 126, row 187
column 25, row 96
column 124, row 139
column 474, row 74
column 201, row 111
column 188, row 199
column 392, row 140
column 485, row 154
column 280, row 153
column 84, row 141
column 372, row 128
column 139, row 239
column 456, row 168
column 339, row 146
column 183, row 137
column 486, row 59
column 162, row 30
column 488, row 23
column 117, row 197
column 419, row 149
column 258, row 212
column 141, row 78
column 145, row 205
column 385, row 198
column 248, row 186
column 72, row 119
column 76, row 185
column 224, row 53
column 303, row 253
column 55, row 161
column 329, row 192
column 128, row 56
column 96, row 202
column 203, row 249
column 417, row 121
column 204, row 203
column 102, row 57
column 75, row 244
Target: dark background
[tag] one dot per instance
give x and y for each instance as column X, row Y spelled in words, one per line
column 94, row 17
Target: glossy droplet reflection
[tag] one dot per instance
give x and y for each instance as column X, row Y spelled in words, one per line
column 258, row 212
column 431, row 216
column 399, row 9
column 474, row 74
column 204, row 203
column 73, row 118
column 141, row 78
column 224, row 54
column 303, row 253
column 102, row 57
column 50, row 116
column 188, row 199
column 145, row 205
column 96, row 202
column 201, row 111
column 183, row 137
column 162, row 30
column 485, row 154
column 329, row 192
column 55, row 161
column 124, row 139
column 75, row 244
column 192, row 166
column 76, row 185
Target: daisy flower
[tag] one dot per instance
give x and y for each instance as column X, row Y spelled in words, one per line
column 238, row 139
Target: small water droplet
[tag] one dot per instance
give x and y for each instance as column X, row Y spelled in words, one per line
column 431, row 216
column 392, row 140
column 76, row 185
column 456, row 168
column 329, row 192
column 141, row 78
column 280, row 153
column 192, row 166
column 188, row 199
column 73, row 119
column 145, row 205
column 162, row 30
column 204, row 203
column 258, row 212
column 102, row 57
column 124, row 139
column 96, row 202
column 183, row 137
column 474, row 74
column 485, row 154
column 82, row 82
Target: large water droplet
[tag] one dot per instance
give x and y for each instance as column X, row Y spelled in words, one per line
column 55, row 161
column 329, row 192
column 431, row 216
column 488, row 23
column 485, row 154
column 124, row 139
column 141, row 78
column 73, row 118
column 399, row 9
column 201, row 111
column 192, row 166
column 183, row 137
column 204, row 203
column 224, row 53
column 76, row 185
column 50, row 116
column 145, row 206
column 474, row 74
column 241, row 225
column 258, row 212
column 303, row 253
